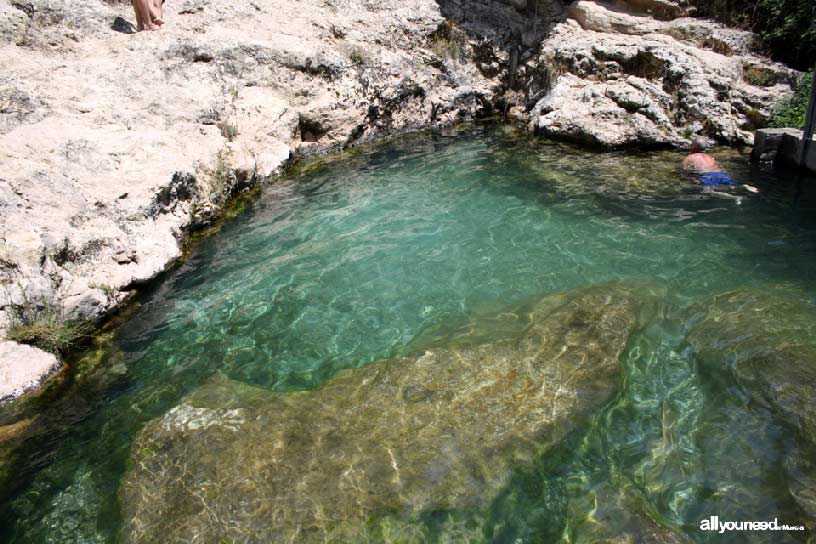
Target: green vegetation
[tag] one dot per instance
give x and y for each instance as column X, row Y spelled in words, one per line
column 357, row 57
column 108, row 290
column 786, row 27
column 446, row 48
column 221, row 180
column 792, row 112
column 757, row 119
column 229, row 131
column 42, row 324
column 448, row 42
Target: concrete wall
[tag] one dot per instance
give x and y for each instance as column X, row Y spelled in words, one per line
column 782, row 145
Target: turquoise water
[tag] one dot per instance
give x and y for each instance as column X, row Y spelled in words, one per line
column 340, row 266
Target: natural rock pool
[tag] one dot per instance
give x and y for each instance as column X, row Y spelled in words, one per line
column 482, row 338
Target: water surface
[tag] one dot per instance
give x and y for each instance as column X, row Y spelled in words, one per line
column 340, row 266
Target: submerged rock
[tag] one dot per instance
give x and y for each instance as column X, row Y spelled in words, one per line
column 620, row 516
column 765, row 341
column 376, row 448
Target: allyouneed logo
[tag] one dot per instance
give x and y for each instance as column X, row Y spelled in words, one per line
column 713, row 523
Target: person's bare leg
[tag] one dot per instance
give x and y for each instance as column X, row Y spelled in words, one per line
column 139, row 19
column 144, row 9
column 157, row 12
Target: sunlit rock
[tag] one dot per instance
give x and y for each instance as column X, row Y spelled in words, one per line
column 22, row 368
column 376, row 448
column 618, row 79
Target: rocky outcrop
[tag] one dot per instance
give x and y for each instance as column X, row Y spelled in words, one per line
column 765, row 341
column 114, row 145
column 374, row 449
column 617, row 78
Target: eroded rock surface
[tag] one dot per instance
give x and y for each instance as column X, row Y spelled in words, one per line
column 377, row 447
column 765, row 341
column 114, row 144
column 616, row 78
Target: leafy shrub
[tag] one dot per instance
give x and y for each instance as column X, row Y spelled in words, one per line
column 791, row 113
column 229, row 130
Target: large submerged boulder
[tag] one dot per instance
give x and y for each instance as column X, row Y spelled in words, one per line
column 374, row 449
column 618, row 78
column 765, row 341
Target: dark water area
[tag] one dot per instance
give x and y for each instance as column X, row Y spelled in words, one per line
column 341, row 266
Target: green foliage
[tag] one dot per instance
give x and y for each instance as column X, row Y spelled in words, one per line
column 357, row 57
column 42, row 324
column 791, row 113
column 786, row 27
column 221, row 180
column 229, row 131
column 108, row 290
column 448, row 42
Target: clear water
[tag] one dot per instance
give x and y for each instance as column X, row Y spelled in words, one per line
column 342, row 265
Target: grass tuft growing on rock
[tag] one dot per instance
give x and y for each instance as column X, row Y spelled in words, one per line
column 791, row 113
column 357, row 57
column 229, row 131
column 43, row 325
column 446, row 48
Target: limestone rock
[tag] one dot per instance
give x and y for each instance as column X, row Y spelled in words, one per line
column 677, row 79
column 22, row 368
column 14, row 23
column 440, row 431
column 660, row 9
column 770, row 341
column 769, row 141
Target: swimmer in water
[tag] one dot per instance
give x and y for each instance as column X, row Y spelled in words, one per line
column 711, row 174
